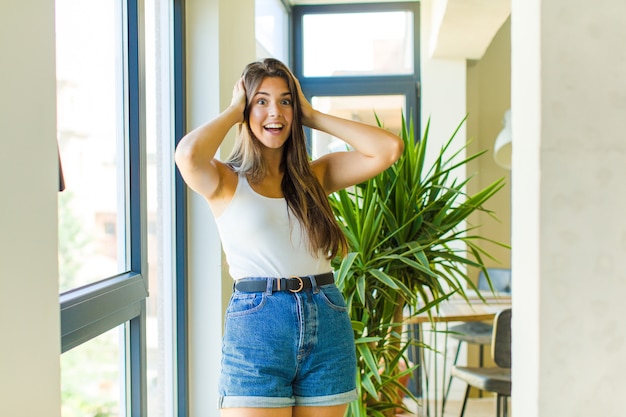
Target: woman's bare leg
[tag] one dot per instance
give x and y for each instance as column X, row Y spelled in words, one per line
column 256, row 412
column 328, row 411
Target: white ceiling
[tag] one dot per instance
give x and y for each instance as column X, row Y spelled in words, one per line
column 465, row 28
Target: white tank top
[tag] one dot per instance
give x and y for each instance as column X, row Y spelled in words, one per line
column 260, row 238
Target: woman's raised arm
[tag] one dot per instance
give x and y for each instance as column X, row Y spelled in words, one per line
column 374, row 149
column 195, row 153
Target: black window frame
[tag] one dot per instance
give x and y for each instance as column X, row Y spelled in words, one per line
column 357, row 85
column 180, row 213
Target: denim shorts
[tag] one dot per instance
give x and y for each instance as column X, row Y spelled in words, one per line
column 283, row 349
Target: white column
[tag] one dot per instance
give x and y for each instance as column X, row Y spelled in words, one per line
column 220, row 42
column 443, row 91
column 29, row 291
column 569, row 228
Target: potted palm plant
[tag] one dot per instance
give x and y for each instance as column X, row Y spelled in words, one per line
column 410, row 248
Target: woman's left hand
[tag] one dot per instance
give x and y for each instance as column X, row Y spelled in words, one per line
column 308, row 111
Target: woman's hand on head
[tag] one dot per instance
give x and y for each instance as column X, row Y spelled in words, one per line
column 307, row 110
column 239, row 98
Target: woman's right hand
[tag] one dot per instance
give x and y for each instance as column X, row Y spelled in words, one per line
column 195, row 153
column 238, row 101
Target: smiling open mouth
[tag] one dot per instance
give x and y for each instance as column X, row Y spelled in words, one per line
column 274, row 127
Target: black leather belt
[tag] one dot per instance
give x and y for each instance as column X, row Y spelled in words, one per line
column 292, row 284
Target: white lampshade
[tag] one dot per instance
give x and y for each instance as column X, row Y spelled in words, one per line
column 503, row 146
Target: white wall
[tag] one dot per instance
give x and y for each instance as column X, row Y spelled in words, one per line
column 220, row 42
column 525, row 99
column 569, row 229
column 29, row 301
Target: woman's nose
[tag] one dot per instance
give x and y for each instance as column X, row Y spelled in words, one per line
column 274, row 109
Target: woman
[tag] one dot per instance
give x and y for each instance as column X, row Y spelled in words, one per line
column 288, row 347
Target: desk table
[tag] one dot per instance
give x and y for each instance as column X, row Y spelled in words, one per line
column 458, row 309
column 454, row 309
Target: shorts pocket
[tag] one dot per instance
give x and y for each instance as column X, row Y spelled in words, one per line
column 333, row 297
column 242, row 303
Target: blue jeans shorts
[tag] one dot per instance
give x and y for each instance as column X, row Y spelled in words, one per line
column 284, row 349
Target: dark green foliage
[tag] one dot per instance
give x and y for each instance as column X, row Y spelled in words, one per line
column 410, row 248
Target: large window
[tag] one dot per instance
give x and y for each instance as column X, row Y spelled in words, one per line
column 91, row 132
column 358, row 61
column 361, row 43
column 122, row 342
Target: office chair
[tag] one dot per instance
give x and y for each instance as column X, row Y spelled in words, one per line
column 493, row 379
column 478, row 332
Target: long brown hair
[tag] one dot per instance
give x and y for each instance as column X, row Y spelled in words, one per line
column 303, row 193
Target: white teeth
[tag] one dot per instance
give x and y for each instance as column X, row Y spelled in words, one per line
column 274, row 126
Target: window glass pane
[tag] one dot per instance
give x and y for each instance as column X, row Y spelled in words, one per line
column 91, row 377
column 365, row 109
column 271, row 27
column 160, row 165
column 347, row 44
column 90, row 134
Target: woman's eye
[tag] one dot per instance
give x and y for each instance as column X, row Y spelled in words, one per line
column 286, row 102
column 261, row 101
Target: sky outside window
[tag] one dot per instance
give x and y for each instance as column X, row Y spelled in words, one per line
column 358, row 44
